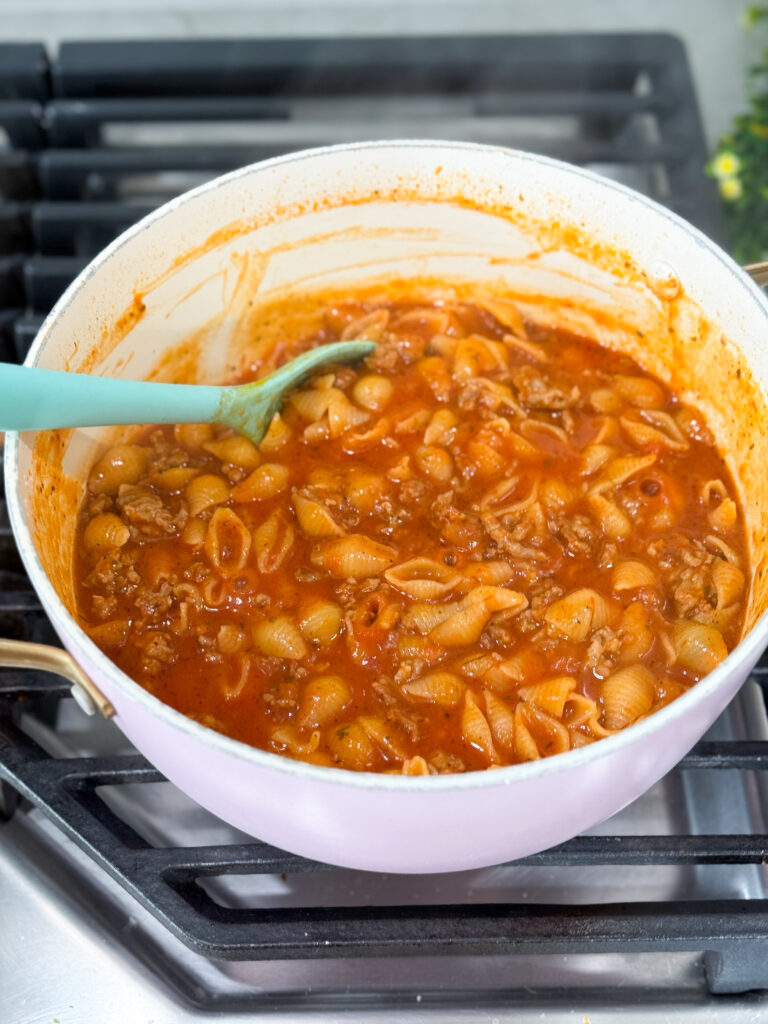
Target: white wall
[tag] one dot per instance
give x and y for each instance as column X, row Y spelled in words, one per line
column 718, row 47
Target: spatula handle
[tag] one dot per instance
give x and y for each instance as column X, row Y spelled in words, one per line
column 35, row 399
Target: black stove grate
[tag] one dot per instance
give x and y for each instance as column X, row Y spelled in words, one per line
column 100, row 136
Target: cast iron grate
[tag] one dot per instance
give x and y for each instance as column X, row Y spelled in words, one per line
column 102, row 134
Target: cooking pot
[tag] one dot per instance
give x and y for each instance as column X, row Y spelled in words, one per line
column 178, row 297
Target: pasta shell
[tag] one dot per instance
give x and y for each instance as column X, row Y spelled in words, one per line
column 424, row 617
column 272, row 541
column 632, row 574
column 227, row 542
column 311, row 403
column 549, row 735
column 626, row 695
column 352, row 747
column 371, row 326
column 655, row 428
column 353, row 557
column 106, row 531
column 620, row 470
column 508, row 315
column 436, row 374
column 372, row 392
column 470, row 616
column 717, row 546
column 578, row 613
column 638, row 638
column 724, row 515
column 314, row 518
column 476, row 355
column 193, row 435
column 441, row 428
column 279, row 637
column 604, row 400
column 728, row 581
column 287, row 740
column 321, row 621
column 342, row 415
column 382, row 733
column 194, row 533
column 359, row 441
column 266, row 481
column 365, row 490
column 175, row 478
column 698, row 647
column 501, row 720
column 322, row 699
column 122, row 464
column 274, row 439
column 475, row 729
column 490, row 573
column 526, row 747
column 594, row 457
column 415, row 766
column 231, row 638
column 550, row 695
column 578, row 711
column 612, row 521
column 509, row 672
column 205, row 491
column 639, row 391
column 442, row 688
column 238, row 451
column 422, row 578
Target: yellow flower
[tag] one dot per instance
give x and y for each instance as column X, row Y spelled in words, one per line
column 726, row 165
column 730, row 188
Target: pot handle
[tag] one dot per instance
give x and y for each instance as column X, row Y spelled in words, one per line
column 19, row 654
column 758, row 272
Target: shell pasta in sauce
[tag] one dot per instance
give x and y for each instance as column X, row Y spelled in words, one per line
column 486, row 544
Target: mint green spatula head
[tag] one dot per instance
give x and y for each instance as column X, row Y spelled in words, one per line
column 34, row 399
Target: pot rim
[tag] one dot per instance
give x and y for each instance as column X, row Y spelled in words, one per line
column 746, row 652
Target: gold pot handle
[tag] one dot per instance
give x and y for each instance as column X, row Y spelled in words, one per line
column 758, row 272
column 19, row 654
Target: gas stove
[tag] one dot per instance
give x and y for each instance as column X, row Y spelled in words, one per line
column 123, row 900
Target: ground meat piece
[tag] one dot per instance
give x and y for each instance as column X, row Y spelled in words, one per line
column 408, row 721
column 98, row 504
column 603, row 651
column 103, row 607
column 409, row 668
column 385, row 691
column 114, row 572
column 536, row 391
column 494, row 635
column 155, row 602
column 145, row 510
column 676, row 549
column 445, row 763
column 692, row 593
column 507, row 542
column 413, row 492
column 542, row 595
column 577, row 534
column 464, row 529
column 395, row 350
column 283, row 696
column 159, row 645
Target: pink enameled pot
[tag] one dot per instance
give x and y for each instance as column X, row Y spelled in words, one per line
column 171, row 299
